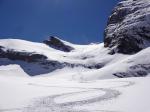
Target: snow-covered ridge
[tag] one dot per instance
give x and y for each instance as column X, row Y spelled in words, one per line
column 91, row 61
column 46, row 59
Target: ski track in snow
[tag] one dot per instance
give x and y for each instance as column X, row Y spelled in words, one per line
column 48, row 104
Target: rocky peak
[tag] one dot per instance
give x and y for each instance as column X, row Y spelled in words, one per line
column 128, row 28
column 56, row 43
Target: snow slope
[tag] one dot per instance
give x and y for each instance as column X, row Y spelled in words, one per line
column 74, row 89
column 47, row 94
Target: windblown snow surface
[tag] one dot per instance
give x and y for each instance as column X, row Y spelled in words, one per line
column 76, row 89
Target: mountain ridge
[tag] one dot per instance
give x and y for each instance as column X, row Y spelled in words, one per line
column 92, row 61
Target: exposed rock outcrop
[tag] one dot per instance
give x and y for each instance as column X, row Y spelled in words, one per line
column 56, row 43
column 139, row 70
column 23, row 56
column 128, row 29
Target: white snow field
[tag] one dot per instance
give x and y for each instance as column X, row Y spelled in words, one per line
column 75, row 89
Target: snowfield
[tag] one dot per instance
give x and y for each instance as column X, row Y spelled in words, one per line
column 46, row 94
column 78, row 88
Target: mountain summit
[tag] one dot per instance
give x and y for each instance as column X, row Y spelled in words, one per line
column 128, row 28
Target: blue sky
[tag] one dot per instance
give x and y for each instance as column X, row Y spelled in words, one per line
column 77, row 21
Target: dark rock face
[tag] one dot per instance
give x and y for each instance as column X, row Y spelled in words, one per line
column 57, row 44
column 139, row 70
column 94, row 66
column 32, row 63
column 23, row 56
column 128, row 28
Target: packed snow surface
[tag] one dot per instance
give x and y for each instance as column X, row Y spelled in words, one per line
column 47, row 94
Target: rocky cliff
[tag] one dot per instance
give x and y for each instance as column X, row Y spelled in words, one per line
column 128, row 28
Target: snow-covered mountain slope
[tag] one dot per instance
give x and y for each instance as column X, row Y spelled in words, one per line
column 53, row 92
column 28, row 54
column 90, row 61
column 128, row 29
